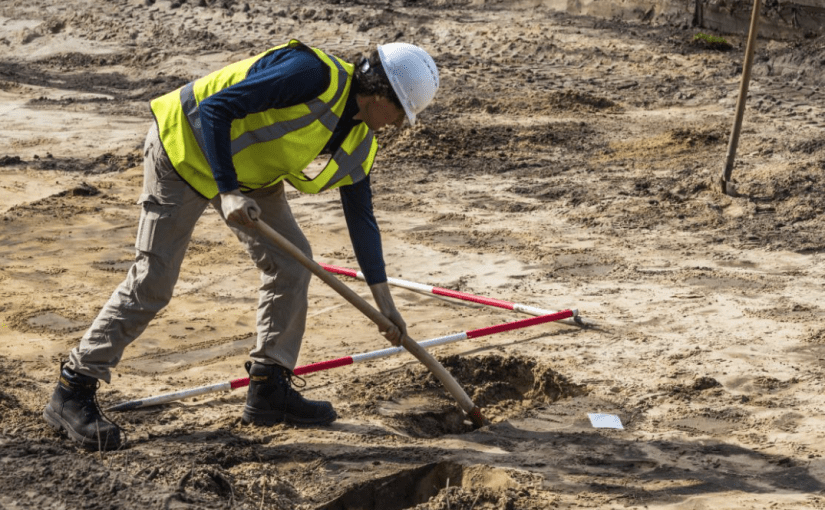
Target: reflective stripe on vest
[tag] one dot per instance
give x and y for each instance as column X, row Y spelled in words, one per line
column 269, row 148
column 348, row 165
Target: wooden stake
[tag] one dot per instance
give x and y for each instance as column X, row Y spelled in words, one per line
column 727, row 187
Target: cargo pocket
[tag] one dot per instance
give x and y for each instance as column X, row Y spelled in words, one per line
column 151, row 217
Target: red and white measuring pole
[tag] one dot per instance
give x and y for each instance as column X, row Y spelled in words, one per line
column 347, row 360
column 475, row 333
column 438, row 291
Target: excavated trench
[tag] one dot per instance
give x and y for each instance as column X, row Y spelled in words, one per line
column 414, row 403
column 443, row 481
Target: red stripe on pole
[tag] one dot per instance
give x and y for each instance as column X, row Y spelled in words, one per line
column 324, row 365
column 340, row 270
column 239, row 383
column 532, row 321
column 470, row 297
column 455, row 294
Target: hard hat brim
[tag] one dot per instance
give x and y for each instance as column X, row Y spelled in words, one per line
column 398, row 89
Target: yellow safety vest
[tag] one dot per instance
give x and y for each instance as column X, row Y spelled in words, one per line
column 270, row 146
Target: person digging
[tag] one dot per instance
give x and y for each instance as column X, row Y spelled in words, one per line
column 230, row 140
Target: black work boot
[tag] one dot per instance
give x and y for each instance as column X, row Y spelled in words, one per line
column 73, row 408
column 271, row 399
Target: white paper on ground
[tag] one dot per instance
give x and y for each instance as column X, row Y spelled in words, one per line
column 605, row 421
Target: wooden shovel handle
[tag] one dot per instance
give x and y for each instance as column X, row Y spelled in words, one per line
column 449, row 382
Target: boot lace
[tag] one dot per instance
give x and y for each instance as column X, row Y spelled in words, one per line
column 87, row 396
column 93, row 409
column 290, row 378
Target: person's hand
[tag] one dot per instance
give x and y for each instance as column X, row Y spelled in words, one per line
column 383, row 298
column 397, row 331
column 239, row 208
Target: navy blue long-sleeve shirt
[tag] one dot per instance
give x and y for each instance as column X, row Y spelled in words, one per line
column 284, row 78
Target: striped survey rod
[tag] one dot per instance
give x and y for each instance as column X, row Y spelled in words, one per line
column 576, row 320
column 346, row 360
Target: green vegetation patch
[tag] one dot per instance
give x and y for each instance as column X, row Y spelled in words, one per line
column 713, row 42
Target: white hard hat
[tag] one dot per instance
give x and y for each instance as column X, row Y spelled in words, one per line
column 412, row 74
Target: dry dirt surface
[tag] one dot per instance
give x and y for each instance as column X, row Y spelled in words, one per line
column 567, row 162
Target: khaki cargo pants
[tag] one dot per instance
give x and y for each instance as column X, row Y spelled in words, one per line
column 170, row 209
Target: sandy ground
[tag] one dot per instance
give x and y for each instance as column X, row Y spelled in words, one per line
column 568, row 162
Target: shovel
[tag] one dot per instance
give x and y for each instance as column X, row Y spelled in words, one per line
column 449, row 382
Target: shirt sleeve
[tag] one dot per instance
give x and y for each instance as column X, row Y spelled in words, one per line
column 281, row 79
column 356, row 200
